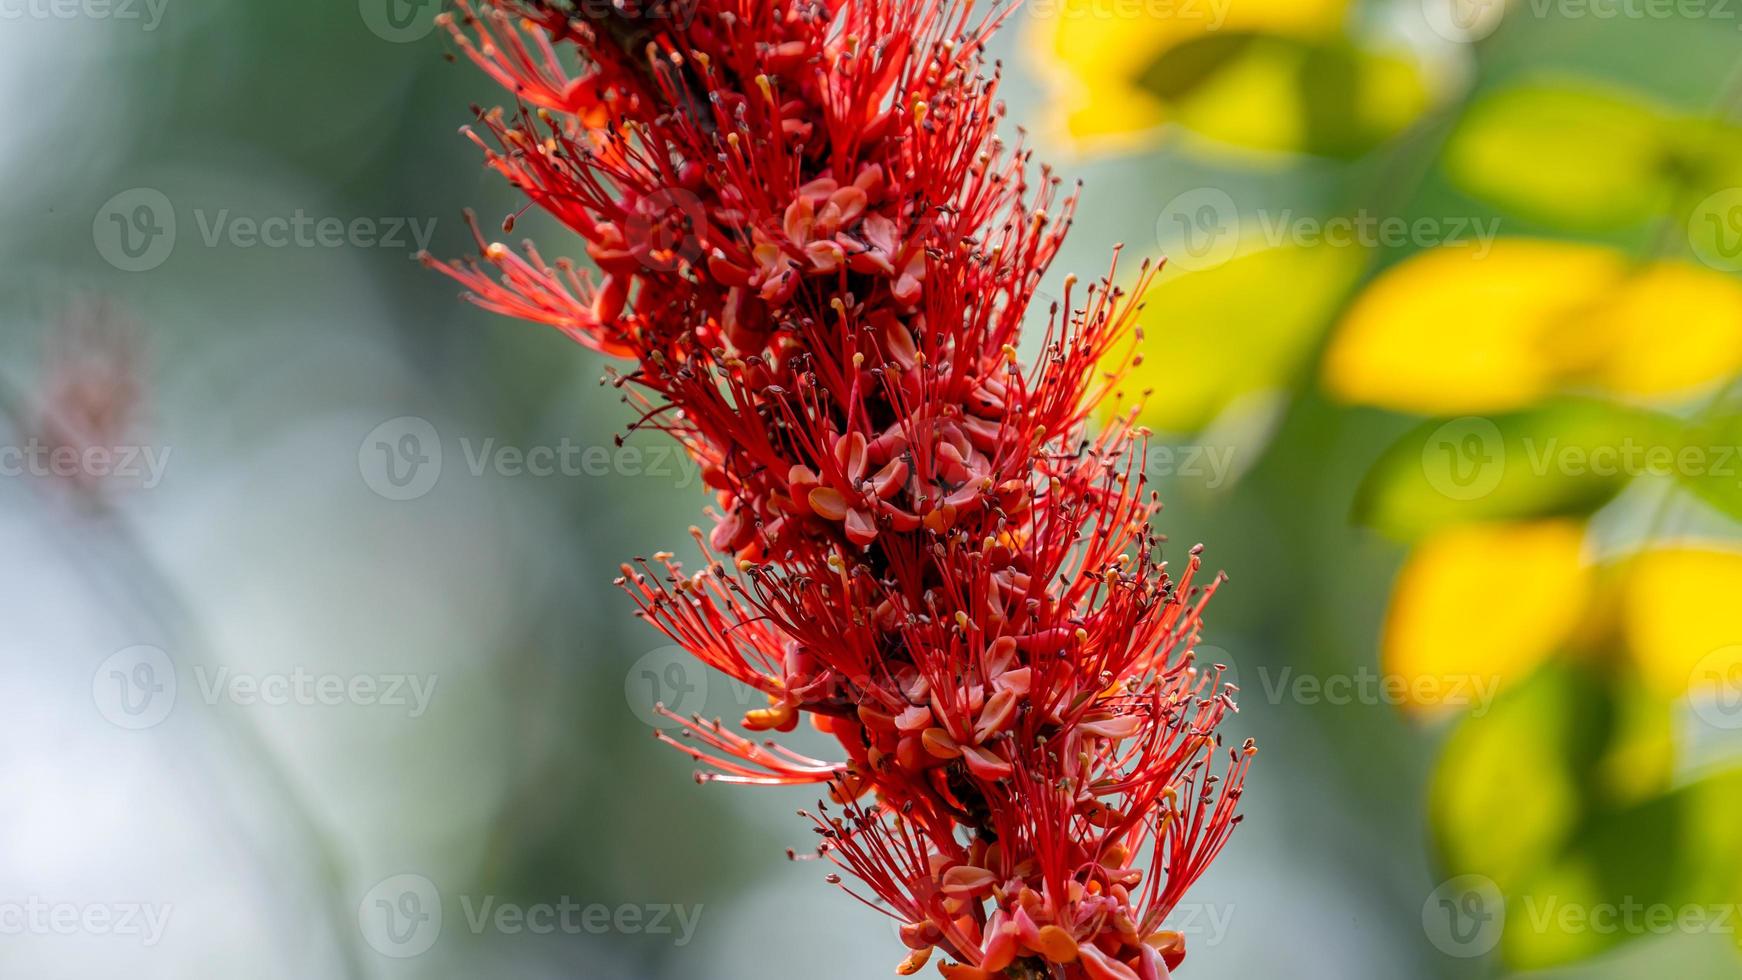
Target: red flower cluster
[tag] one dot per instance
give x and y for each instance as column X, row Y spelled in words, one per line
column 817, row 254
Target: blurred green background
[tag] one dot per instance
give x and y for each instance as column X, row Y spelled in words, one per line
column 316, row 670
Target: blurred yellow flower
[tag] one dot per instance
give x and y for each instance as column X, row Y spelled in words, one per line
column 1271, row 75
column 1681, row 615
column 1480, row 605
column 1671, row 327
column 1468, row 328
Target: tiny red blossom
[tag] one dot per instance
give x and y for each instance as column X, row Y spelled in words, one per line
column 816, row 255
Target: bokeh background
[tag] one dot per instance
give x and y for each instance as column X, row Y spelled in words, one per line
column 310, row 659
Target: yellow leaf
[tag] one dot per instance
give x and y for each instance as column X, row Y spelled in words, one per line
column 1671, row 329
column 1460, row 328
column 1479, row 605
column 1252, row 102
column 1457, row 329
column 1682, row 618
column 1097, row 53
column 1395, row 92
column 1284, row 95
column 1096, row 62
column 1216, row 334
column 1291, row 18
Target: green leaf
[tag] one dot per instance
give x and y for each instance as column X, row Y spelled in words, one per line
column 1556, row 459
column 1711, row 463
column 1569, row 154
column 1552, row 797
column 1706, row 155
column 1516, row 781
column 1186, row 65
column 1215, row 335
column 1560, row 798
column 1672, row 863
column 1562, row 915
column 1711, row 851
column 1339, row 86
column 1504, row 793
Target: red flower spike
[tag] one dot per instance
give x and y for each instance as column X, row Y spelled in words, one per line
column 817, row 255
